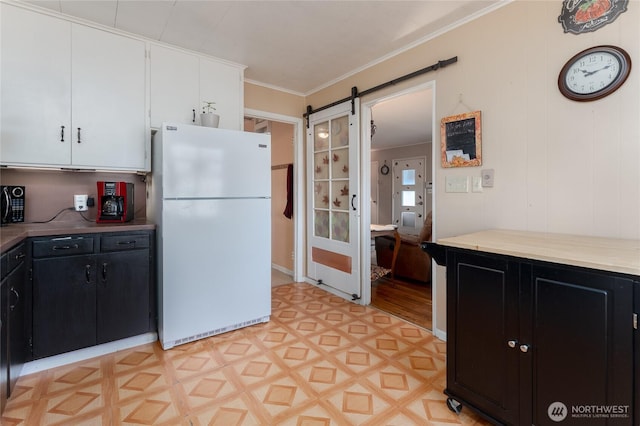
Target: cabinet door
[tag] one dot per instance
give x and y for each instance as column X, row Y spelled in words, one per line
column 64, row 304
column 583, row 342
column 223, row 84
column 123, row 295
column 36, row 88
column 174, row 81
column 482, row 319
column 108, row 98
column 16, row 312
column 4, row 353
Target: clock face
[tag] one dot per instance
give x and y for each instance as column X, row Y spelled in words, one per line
column 594, row 73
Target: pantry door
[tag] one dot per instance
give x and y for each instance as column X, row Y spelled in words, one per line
column 333, row 199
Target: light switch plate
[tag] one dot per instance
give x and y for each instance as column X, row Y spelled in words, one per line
column 487, row 178
column 456, row 184
column 476, row 184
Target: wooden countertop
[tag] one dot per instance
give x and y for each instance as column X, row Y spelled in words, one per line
column 607, row 254
column 12, row 234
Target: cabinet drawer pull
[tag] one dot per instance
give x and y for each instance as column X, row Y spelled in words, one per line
column 87, row 273
column 512, row 343
column 61, row 133
column 524, row 348
column 126, row 243
column 73, row 246
column 20, row 256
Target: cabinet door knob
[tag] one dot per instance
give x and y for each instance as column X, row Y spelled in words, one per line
column 512, row 343
column 524, row 348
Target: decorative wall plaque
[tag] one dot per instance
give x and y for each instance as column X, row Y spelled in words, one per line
column 582, row 16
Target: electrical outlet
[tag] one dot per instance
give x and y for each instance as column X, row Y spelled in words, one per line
column 80, row 202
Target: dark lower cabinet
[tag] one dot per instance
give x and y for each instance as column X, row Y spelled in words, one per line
column 64, row 301
column 13, row 319
column 583, row 343
column 91, row 289
column 122, row 308
column 530, row 342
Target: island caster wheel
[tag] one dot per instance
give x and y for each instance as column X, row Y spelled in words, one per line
column 454, row 405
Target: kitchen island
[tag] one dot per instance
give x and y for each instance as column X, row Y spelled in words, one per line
column 540, row 325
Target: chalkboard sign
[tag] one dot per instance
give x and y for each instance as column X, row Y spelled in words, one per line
column 461, row 140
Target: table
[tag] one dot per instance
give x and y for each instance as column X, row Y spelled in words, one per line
column 377, row 232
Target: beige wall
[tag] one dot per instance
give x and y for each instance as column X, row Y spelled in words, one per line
column 50, row 191
column 269, row 100
column 560, row 166
column 385, row 182
column 281, row 226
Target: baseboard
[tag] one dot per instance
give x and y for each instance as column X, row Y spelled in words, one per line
column 442, row 335
column 86, row 353
column 282, row 269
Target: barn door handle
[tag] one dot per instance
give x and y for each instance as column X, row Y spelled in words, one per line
column 353, row 197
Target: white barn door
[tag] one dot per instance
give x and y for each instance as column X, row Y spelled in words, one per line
column 333, row 199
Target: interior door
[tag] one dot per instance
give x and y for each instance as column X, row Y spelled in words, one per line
column 333, row 237
column 409, row 192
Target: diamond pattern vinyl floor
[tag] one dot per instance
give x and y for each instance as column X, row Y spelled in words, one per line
column 320, row 361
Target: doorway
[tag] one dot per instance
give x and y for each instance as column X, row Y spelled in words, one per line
column 287, row 212
column 401, row 128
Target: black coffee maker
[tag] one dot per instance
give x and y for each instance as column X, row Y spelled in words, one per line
column 115, row 202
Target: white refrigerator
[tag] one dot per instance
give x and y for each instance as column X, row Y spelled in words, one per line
column 210, row 196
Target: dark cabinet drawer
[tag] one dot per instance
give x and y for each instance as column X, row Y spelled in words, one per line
column 66, row 246
column 16, row 256
column 124, row 242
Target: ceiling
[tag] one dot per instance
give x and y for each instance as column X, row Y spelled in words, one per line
column 296, row 46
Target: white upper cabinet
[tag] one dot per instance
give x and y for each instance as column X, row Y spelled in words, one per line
column 36, row 89
column 182, row 82
column 173, row 77
column 108, row 98
column 72, row 96
column 223, row 84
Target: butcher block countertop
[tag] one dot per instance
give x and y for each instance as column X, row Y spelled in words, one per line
column 607, row 254
column 12, row 234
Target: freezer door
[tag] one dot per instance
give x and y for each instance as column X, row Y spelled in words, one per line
column 216, row 265
column 203, row 162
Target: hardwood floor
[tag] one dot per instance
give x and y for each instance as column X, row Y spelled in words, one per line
column 407, row 300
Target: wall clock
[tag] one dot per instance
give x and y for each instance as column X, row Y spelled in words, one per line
column 594, row 73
